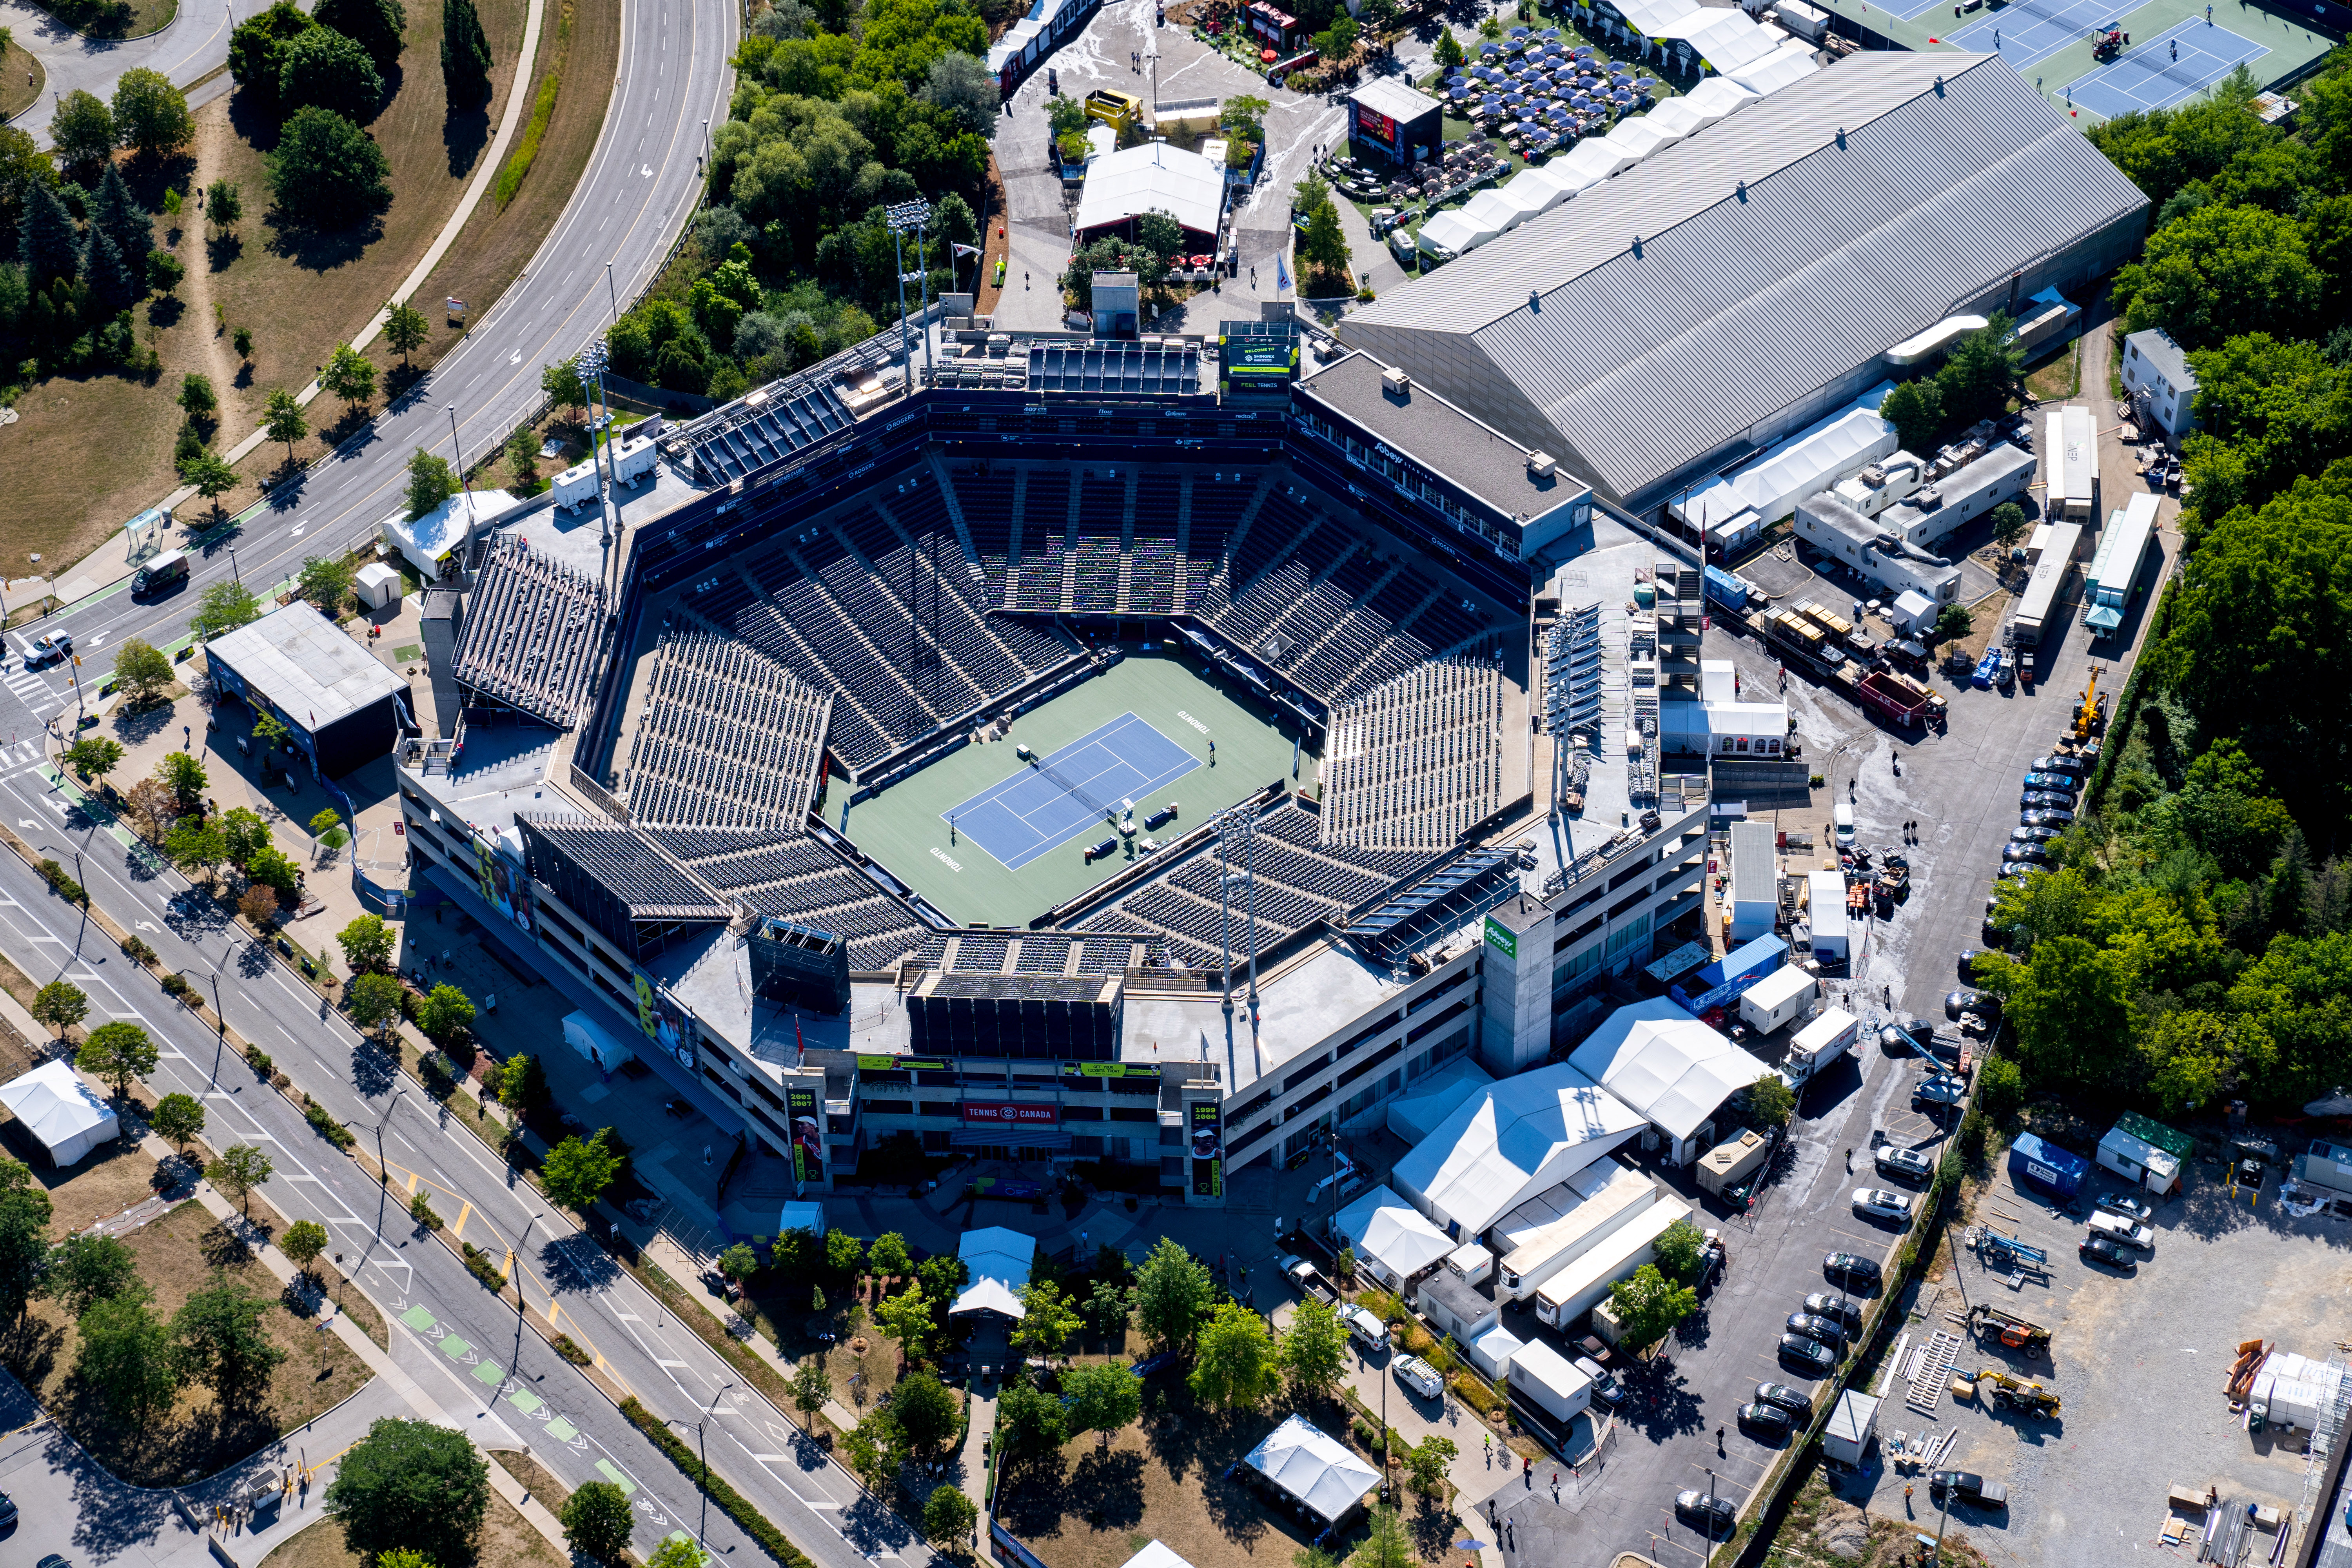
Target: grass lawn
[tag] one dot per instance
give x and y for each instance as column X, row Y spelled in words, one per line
column 22, row 80
column 2059, row 374
column 98, row 1187
column 508, row 1540
column 178, row 1254
column 297, row 292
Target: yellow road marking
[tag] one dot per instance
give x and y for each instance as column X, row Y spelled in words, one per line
column 460, row 1227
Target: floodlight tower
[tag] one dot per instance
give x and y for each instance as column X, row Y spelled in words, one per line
column 590, row 364
column 1235, row 831
column 901, row 218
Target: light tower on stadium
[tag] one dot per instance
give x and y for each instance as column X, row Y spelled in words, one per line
column 1236, row 838
column 901, row 218
column 590, row 364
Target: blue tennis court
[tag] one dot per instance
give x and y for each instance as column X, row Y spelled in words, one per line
column 1049, row 801
column 2031, row 31
column 2158, row 74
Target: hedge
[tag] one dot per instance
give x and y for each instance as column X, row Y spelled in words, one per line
column 730, row 1501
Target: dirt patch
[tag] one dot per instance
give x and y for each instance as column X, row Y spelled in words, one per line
column 497, row 244
column 535, row 1478
column 178, row 1254
column 508, row 1541
column 22, row 81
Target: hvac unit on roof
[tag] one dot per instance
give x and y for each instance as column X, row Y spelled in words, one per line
column 1542, row 465
column 1396, row 381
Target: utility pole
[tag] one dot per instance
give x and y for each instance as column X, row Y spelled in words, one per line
column 514, row 1259
column 703, row 1441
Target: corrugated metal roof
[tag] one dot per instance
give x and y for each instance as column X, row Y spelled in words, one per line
column 1387, row 95
column 1739, row 305
column 311, row 668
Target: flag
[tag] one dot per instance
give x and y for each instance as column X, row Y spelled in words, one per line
column 1281, row 273
column 799, row 1043
column 968, row 250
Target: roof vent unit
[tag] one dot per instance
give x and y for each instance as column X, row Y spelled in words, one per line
column 1841, row 136
column 1542, row 465
column 1395, row 380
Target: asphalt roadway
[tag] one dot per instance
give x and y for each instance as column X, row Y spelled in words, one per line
column 640, row 186
column 186, row 51
column 423, row 1291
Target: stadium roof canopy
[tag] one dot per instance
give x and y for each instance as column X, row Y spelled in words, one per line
column 1153, row 177
column 1511, row 1140
column 1674, row 1069
column 1659, row 316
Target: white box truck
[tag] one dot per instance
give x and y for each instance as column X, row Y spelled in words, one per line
column 1546, row 1234
column 1818, row 1043
column 1543, row 1380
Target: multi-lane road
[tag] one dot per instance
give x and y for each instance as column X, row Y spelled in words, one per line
column 491, row 1362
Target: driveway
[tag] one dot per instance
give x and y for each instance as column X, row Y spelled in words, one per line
column 194, row 42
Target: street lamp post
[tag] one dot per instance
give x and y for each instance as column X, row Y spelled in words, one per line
column 518, row 1262
column 702, row 1442
column 383, row 1166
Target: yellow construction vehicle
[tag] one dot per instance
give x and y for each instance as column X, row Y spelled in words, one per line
column 2091, row 716
column 1987, row 1321
column 2010, row 1393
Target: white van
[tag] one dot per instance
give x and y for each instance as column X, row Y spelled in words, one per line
column 1842, row 819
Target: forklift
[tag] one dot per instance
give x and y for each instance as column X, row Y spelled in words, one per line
column 2015, row 1333
column 2009, row 1392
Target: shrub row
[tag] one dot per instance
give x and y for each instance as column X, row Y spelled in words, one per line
column 730, row 1501
column 64, row 887
column 332, row 1130
column 482, row 1266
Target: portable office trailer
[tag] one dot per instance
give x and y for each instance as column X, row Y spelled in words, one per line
column 1777, row 999
column 2047, row 1166
column 1544, row 1379
column 1826, row 907
column 2116, row 565
column 1846, row 1436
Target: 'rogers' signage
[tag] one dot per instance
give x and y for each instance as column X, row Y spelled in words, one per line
column 1008, row 1115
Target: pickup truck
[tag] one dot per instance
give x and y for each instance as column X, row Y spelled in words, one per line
column 1967, row 1486
column 1306, row 1277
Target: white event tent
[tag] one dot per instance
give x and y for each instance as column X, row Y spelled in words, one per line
column 1317, row 1469
column 63, row 1113
column 996, row 1263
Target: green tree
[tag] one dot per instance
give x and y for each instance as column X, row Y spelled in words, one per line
column 431, row 482
column 376, row 23
column 445, row 1014
column 1171, row 1294
column 1103, row 1397
column 888, row 1255
column 184, row 776
column 1982, row 368
column 81, row 133
column 350, row 375
column 282, row 420
column 151, row 115
column 218, row 1340
column 1047, row 1320
column 23, row 1237
column 210, row 476
column 597, row 1521
column 302, row 1243
column 94, row 756
column 118, row 214
column 125, row 1355
column 927, row 1412
column 677, row 1551
column 1916, row 409
column 224, row 204
column 142, row 670
column 1033, row 1422
column 465, row 55
column 222, row 607
column 326, row 172
column 1313, row 1351
column 88, row 1268
column 256, row 53
column 2217, row 272
column 411, row 1484
column 366, row 943
column 577, row 1173
column 739, row 1263
column 1323, row 248
column 179, row 1120
column 326, row 581
column 1236, row 1363
column 523, row 1085
column 906, row 1318
column 238, row 1169
column 119, row 1054
column 1448, row 52
column 405, row 328
column 196, row 847
column 60, row 1005
column 2007, row 523
column 1650, row 1305
column 811, row 1386
column 564, row 386
column 1679, row 1247
column 243, row 835
column 522, row 457
column 1954, row 621
column 1427, row 1462
column 273, row 868
column 1386, row 1543
column 842, row 1252
column 1105, row 1310
column 374, row 1002
column 322, row 67
column 949, row 1518
column 1771, row 1102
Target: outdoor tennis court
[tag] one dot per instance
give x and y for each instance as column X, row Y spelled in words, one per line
column 1050, row 801
column 2149, row 76
column 2031, row 31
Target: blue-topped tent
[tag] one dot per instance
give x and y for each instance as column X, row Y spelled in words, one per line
column 2047, row 1166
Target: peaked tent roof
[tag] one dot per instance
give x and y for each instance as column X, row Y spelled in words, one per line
column 1510, row 1140
column 1879, row 193
column 1317, row 1470
column 998, row 1260
column 1136, row 180
column 1666, row 1063
column 1384, row 1227
column 1423, row 1107
column 64, row 1114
